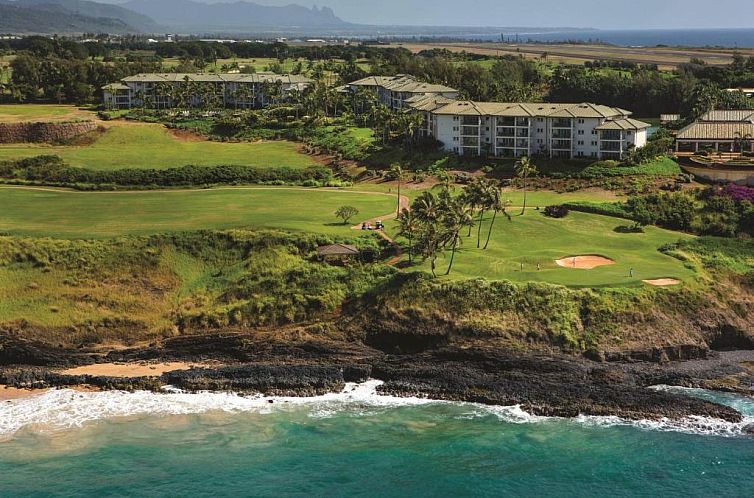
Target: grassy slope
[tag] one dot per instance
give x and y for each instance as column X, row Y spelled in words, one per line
column 67, row 214
column 131, row 145
column 533, row 239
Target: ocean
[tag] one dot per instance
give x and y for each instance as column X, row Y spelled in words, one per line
column 730, row 38
column 66, row 443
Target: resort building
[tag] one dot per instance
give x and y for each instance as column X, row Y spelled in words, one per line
column 167, row 90
column 396, row 91
column 525, row 129
column 724, row 131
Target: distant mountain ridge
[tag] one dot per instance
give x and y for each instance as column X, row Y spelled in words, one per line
column 50, row 17
column 187, row 15
column 98, row 10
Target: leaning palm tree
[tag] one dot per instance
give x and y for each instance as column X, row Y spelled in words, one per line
column 524, row 169
column 459, row 216
column 499, row 205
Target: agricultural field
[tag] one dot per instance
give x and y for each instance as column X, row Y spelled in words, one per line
column 140, row 145
column 43, row 212
column 666, row 58
column 535, row 239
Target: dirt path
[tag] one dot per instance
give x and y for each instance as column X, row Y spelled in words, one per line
column 404, row 204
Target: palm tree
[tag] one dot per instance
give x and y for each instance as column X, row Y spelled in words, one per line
column 459, row 216
column 396, row 171
column 498, row 205
column 524, row 168
column 408, row 228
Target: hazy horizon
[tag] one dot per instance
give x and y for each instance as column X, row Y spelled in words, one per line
column 634, row 14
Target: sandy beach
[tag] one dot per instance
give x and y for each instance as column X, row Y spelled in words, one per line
column 131, row 370
column 11, row 393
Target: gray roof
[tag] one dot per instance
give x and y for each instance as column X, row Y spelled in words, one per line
column 337, row 250
column 532, row 109
column 732, row 115
column 720, row 130
column 623, row 125
column 264, row 77
column 403, row 83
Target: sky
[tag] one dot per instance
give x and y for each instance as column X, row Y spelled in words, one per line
column 605, row 14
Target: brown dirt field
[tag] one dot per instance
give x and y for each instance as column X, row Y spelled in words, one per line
column 662, row 282
column 584, row 262
column 130, row 370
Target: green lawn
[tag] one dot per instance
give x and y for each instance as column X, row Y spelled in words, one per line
column 37, row 112
column 138, row 145
column 68, row 214
column 533, row 239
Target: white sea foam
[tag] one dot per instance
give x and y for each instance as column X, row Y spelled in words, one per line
column 65, row 409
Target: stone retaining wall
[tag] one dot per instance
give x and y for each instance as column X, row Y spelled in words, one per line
column 43, row 132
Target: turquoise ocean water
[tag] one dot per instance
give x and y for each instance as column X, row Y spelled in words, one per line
column 64, row 444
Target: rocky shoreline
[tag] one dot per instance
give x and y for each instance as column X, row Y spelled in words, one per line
column 549, row 384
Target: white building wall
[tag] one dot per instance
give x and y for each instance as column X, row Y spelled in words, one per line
column 447, row 129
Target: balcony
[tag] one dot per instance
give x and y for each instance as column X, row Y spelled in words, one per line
column 561, row 145
column 522, row 122
column 470, row 121
column 522, row 132
column 561, row 134
column 611, row 135
column 522, row 143
column 506, row 132
column 470, row 142
column 470, row 131
column 610, row 146
column 561, row 123
column 506, row 142
column 506, row 121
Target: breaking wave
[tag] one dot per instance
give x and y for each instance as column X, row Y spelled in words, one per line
column 65, row 409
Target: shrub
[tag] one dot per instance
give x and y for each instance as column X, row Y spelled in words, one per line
column 558, row 211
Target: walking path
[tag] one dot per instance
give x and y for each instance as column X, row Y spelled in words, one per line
column 404, row 204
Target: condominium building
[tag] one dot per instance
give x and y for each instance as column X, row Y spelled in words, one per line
column 165, row 90
column 726, row 131
column 396, row 91
column 525, row 129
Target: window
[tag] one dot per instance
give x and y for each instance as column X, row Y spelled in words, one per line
column 580, row 154
column 581, row 132
column 540, row 130
column 488, row 128
column 581, row 121
column 594, row 143
column 541, row 120
column 594, row 132
column 581, row 142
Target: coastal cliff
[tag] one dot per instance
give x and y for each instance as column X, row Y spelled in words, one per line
column 551, row 349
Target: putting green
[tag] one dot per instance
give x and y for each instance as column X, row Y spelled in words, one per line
column 534, row 239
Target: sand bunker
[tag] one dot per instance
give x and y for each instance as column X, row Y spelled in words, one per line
column 662, row 282
column 584, row 262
